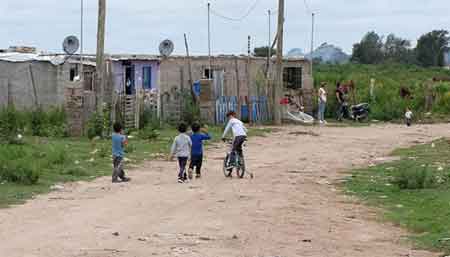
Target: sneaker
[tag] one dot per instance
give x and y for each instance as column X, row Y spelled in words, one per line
column 181, row 181
column 125, row 179
column 198, row 176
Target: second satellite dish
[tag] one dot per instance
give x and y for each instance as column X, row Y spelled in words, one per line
column 166, row 48
column 71, row 45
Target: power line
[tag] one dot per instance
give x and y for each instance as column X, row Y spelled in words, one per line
column 250, row 10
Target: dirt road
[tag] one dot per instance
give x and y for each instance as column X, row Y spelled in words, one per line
column 291, row 208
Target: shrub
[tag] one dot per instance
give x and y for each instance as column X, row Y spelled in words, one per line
column 20, row 171
column 150, row 118
column 414, row 178
column 57, row 155
column 38, row 122
column 148, row 133
column 190, row 111
column 11, row 124
column 104, row 151
column 95, row 126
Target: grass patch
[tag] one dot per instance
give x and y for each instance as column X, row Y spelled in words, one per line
column 32, row 167
column 414, row 191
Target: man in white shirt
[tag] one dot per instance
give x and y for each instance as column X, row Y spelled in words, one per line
column 239, row 134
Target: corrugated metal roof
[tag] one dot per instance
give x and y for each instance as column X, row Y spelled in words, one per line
column 21, row 57
column 55, row 59
column 134, row 57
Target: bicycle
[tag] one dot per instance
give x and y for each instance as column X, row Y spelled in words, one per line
column 238, row 164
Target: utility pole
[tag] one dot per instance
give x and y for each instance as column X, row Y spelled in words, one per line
column 312, row 42
column 278, row 90
column 81, row 43
column 191, row 82
column 209, row 40
column 100, row 78
column 269, row 47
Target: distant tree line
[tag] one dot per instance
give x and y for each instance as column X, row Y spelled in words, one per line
column 429, row 51
column 264, row 51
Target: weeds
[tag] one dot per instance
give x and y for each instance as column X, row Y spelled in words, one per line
column 412, row 177
column 414, row 191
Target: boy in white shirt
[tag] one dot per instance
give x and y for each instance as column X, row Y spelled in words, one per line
column 239, row 134
column 408, row 117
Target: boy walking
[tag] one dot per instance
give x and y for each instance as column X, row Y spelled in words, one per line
column 119, row 141
column 199, row 135
column 181, row 148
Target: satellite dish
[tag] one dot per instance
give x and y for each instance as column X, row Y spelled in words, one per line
column 71, row 45
column 166, row 48
column 58, row 60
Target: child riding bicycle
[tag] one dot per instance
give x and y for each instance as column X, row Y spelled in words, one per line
column 239, row 135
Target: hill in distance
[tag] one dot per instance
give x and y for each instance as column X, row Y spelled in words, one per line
column 326, row 53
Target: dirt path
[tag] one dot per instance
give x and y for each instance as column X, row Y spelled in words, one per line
column 290, row 209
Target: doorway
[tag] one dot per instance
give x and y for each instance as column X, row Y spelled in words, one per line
column 130, row 87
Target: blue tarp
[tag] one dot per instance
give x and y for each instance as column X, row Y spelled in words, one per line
column 197, row 88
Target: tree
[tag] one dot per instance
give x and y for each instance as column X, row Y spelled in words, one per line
column 263, row 51
column 398, row 50
column 431, row 48
column 369, row 50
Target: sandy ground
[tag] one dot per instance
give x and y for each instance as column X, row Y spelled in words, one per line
column 291, row 208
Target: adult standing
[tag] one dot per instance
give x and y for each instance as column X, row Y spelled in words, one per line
column 340, row 101
column 322, row 103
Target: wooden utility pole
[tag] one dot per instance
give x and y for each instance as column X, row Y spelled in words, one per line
column 312, row 42
column 191, row 82
column 278, row 87
column 209, row 41
column 238, row 87
column 100, row 78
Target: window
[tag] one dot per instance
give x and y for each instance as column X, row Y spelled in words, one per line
column 147, row 78
column 73, row 72
column 292, row 77
column 208, row 74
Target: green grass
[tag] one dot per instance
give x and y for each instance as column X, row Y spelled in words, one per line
column 425, row 208
column 60, row 160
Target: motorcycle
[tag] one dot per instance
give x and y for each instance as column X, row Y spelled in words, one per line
column 360, row 112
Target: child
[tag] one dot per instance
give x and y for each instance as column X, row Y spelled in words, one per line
column 408, row 117
column 239, row 134
column 197, row 139
column 119, row 141
column 181, row 148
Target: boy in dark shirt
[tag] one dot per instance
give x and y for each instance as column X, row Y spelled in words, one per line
column 198, row 136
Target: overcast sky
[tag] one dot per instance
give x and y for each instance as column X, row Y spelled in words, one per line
column 137, row 26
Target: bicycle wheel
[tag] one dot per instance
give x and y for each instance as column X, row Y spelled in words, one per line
column 240, row 170
column 227, row 171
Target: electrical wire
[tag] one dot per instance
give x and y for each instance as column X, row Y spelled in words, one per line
column 240, row 19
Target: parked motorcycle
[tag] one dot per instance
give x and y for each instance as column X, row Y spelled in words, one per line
column 360, row 112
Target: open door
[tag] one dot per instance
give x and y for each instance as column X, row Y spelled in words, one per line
column 130, row 86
